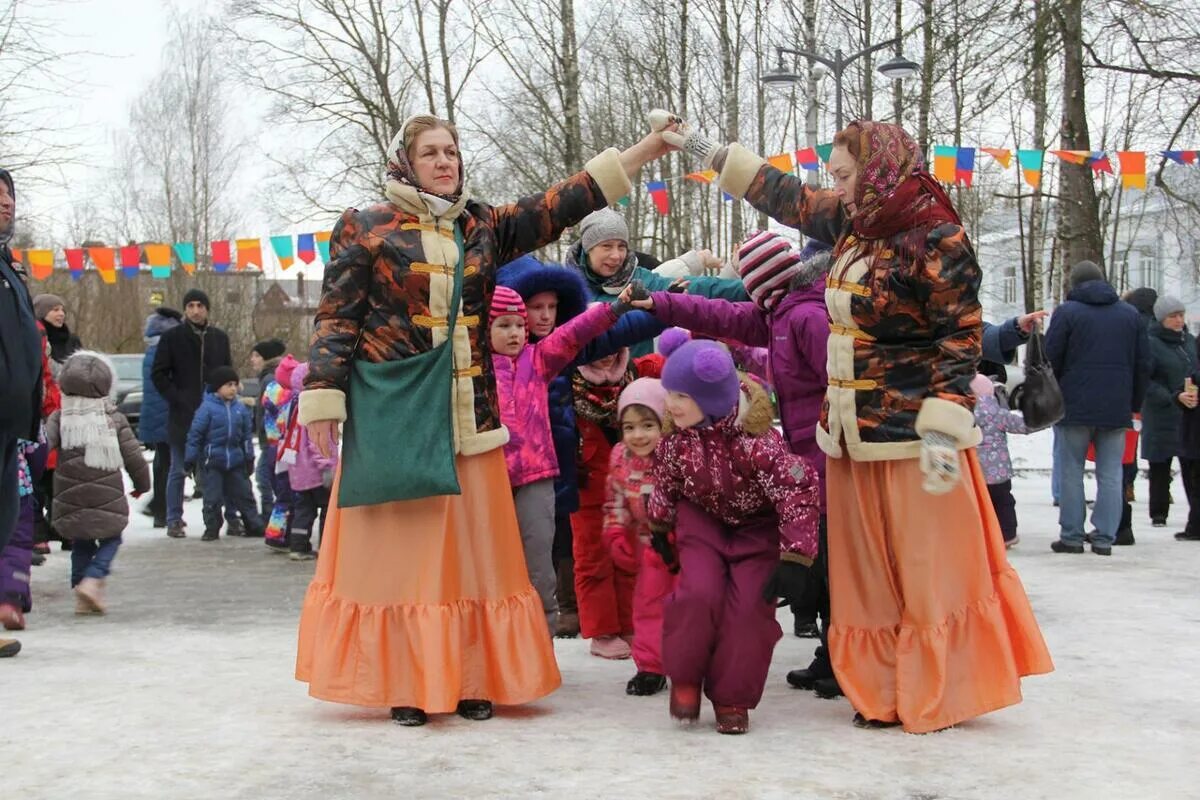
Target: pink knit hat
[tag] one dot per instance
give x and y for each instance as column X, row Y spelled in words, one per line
column 648, row 392
column 283, row 372
column 982, row 386
column 766, row 263
column 505, row 301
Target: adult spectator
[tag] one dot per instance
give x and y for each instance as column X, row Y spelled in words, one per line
column 185, row 357
column 152, row 425
column 52, row 313
column 1098, row 348
column 1173, row 355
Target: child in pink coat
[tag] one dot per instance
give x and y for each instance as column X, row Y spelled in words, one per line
column 523, row 375
column 640, row 412
column 310, row 475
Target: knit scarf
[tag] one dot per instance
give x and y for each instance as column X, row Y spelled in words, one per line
column 85, row 424
column 596, row 401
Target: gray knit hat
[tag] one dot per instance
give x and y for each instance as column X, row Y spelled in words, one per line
column 1166, row 305
column 601, row 226
column 1085, row 271
column 43, row 304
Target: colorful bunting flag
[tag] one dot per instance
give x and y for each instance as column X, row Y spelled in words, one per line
column 322, row 238
column 306, row 250
column 220, row 256
column 17, row 255
column 945, row 159
column 823, row 152
column 105, row 259
column 1079, row 157
column 249, row 253
column 1031, row 166
column 704, row 176
column 1100, row 162
column 781, row 162
column 1000, row 154
column 282, row 245
column 624, row 202
column 658, row 193
column 1133, row 169
column 159, row 256
column 131, row 258
column 964, row 168
column 75, row 262
column 807, row 159
column 1181, row 156
column 186, row 253
column 41, row 263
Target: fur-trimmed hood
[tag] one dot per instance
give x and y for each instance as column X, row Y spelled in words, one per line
column 810, row 271
column 527, row 277
column 755, row 413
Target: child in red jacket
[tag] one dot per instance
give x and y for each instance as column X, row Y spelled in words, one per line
column 640, row 412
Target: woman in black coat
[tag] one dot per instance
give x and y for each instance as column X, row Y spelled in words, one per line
column 1173, row 352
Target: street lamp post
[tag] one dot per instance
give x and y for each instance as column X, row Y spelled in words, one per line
column 896, row 68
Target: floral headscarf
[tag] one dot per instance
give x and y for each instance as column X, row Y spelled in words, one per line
column 400, row 169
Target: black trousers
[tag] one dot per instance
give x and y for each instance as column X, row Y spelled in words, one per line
column 1006, row 508
column 309, row 503
column 1160, row 489
column 162, row 466
column 10, row 503
column 563, row 547
column 231, row 489
column 1191, row 484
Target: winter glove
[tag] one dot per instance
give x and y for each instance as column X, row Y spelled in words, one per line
column 788, row 582
column 939, row 463
column 637, row 292
column 327, row 478
column 711, row 154
column 660, row 541
column 679, row 286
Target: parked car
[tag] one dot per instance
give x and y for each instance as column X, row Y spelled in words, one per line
column 129, row 386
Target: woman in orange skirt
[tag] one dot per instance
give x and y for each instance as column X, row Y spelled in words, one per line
column 425, row 606
column 930, row 625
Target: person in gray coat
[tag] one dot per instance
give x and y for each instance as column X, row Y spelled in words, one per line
column 94, row 442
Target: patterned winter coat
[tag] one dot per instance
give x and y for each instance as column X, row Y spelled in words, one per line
column 222, row 435
column 262, row 415
column 626, row 525
column 31, row 462
column 739, row 470
column 307, row 469
column 389, row 282
column 274, row 400
column 905, row 332
column 524, row 382
column 995, row 423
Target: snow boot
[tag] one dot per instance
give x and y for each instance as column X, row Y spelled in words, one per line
column 235, row 527
column 11, row 617
column 567, row 624
column 409, row 717
column 1059, row 546
column 9, row 648
column 645, row 684
column 806, row 629
column 611, row 647
column 819, row 669
column 175, row 530
column 827, row 688
column 91, row 592
column 1187, row 536
column 210, row 535
column 732, row 720
column 477, row 710
column 685, row 702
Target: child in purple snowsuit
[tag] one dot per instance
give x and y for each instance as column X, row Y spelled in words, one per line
column 996, row 423
column 728, row 486
column 310, row 475
column 16, row 559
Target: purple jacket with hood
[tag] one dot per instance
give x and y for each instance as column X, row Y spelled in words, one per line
column 795, row 334
column 306, row 472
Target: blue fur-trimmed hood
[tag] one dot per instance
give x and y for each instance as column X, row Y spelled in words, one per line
column 527, row 276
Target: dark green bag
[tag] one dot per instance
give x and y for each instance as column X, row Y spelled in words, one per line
column 399, row 432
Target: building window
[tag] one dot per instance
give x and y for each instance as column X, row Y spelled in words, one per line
column 1008, row 283
column 1150, row 269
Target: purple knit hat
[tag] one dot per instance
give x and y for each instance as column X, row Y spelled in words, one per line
column 671, row 339
column 704, row 371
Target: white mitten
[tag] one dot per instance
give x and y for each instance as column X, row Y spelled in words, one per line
column 686, row 137
column 683, row 266
column 939, row 463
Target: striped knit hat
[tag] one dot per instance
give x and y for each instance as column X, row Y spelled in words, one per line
column 505, row 301
column 766, row 263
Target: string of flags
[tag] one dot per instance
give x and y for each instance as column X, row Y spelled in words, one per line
column 238, row 254
column 957, row 165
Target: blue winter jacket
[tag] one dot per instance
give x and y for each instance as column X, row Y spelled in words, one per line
column 152, row 424
column 1000, row 342
column 222, row 434
column 1098, row 347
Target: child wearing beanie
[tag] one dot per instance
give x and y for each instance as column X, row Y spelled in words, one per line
column 523, row 375
column 995, row 423
column 277, row 410
column 726, row 483
column 640, row 411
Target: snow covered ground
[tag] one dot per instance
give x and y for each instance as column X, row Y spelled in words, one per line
column 185, row 690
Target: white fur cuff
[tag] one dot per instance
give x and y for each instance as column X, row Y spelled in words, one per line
column 318, row 405
column 606, row 170
column 741, row 166
column 943, row 416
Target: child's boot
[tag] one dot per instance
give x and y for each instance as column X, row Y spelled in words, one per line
column 91, row 591
column 11, row 617
column 612, row 647
column 732, row 720
column 645, row 684
column 685, row 702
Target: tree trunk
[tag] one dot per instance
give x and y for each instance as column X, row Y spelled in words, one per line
column 447, row 86
column 427, row 71
column 927, row 61
column 573, row 146
column 729, row 89
column 1032, row 260
column 898, row 86
column 812, row 113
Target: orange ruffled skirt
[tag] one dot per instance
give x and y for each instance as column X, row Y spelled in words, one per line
column 930, row 624
column 427, row 602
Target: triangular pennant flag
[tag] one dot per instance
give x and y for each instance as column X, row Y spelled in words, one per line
column 1100, row 162
column 220, row 255
column 186, row 253
column 945, row 158
column 1000, row 154
column 249, row 253
column 306, row 249
column 705, row 176
column 1181, row 156
column 40, row 263
column 658, row 193
column 1031, row 166
column 1073, row 156
column 159, row 256
column 964, row 168
column 131, row 257
column 322, row 238
column 282, row 245
column 17, row 255
column 726, row 196
column 75, row 262
column 781, row 162
column 1133, row 169
column 105, row 259
column 823, row 152
column 807, row 159
column 624, row 202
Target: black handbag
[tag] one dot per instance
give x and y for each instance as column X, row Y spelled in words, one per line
column 1038, row 398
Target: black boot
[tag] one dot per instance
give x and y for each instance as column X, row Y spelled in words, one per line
column 210, row 535
column 1059, row 546
column 175, row 530
column 645, row 684
column 819, row 669
column 409, row 717
column 478, row 710
column 1124, row 536
column 1187, row 536
column 806, row 629
column 862, row 722
column 827, row 688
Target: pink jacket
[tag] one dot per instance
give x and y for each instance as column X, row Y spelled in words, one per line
column 523, row 383
column 626, row 526
column 307, row 470
column 738, row 470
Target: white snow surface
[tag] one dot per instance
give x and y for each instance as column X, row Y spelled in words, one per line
column 186, row 690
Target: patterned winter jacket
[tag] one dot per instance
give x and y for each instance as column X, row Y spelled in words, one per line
column 740, row 470
column 31, row 463
column 995, row 423
column 274, row 399
column 905, row 334
column 523, row 383
column 626, row 526
column 389, row 282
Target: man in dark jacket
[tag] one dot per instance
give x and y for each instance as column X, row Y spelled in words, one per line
column 186, row 356
column 1098, row 347
column 20, row 374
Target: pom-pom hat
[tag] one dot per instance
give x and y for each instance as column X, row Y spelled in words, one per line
column 704, row 371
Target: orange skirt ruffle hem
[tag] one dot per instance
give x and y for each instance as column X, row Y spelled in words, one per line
column 930, row 624
column 427, row 602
